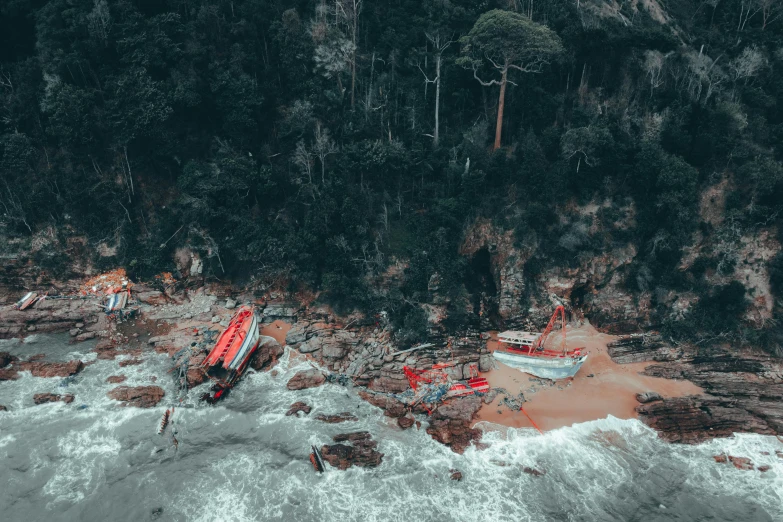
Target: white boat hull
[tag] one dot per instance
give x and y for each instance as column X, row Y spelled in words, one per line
column 545, row 367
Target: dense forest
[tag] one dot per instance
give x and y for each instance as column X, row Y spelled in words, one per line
column 317, row 143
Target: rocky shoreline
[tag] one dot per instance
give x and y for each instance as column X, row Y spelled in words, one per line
column 743, row 393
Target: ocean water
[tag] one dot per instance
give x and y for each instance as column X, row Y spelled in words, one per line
column 245, row 460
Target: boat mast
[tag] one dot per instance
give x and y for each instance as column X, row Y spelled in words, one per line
column 539, row 344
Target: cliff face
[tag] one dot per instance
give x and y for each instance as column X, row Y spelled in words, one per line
column 596, row 286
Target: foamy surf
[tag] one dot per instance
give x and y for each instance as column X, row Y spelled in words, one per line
column 245, row 460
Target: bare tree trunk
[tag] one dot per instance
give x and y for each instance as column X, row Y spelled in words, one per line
column 501, row 104
column 437, row 100
column 353, row 58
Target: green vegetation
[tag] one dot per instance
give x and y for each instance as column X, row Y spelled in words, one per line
column 320, row 142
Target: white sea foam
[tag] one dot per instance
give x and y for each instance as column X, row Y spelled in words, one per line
column 245, row 460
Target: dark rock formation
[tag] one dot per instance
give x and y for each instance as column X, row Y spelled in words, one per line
column 106, row 349
column 297, row 407
column 50, row 369
column 6, row 359
column 391, row 407
column 743, row 389
column 698, row 418
column 450, row 423
column 456, row 474
column 116, row 379
column 306, row 379
column 149, row 296
column 533, row 471
column 84, row 336
column 140, row 396
column 195, row 374
column 9, row 375
column 43, row 398
column 131, row 362
column 406, row 421
column 335, row 419
column 267, row 354
column 649, row 396
column 743, row 463
column 642, row 347
column 360, row 453
column 743, row 393
column 50, row 316
column 3, row 408
column 367, row 354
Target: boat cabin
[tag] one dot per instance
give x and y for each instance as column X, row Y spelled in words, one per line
column 518, row 339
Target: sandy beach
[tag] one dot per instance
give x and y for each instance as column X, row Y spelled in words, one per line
column 277, row 329
column 601, row 388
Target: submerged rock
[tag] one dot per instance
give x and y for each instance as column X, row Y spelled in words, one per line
column 306, row 379
column 43, row 398
column 139, row 396
column 3, row 408
column 6, row 359
column 50, row 369
column 131, row 362
column 297, row 407
column 360, row 453
column 116, row 379
column 334, row 419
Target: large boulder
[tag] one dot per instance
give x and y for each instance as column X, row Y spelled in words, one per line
column 360, row 453
column 139, row 396
column 306, row 379
column 43, row 398
column 50, row 369
column 151, row 297
column 9, row 375
column 337, row 418
column 267, row 354
column 450, row 424
column 649, row 396
column 391, row 407
column 6, row 359
column 297, row 407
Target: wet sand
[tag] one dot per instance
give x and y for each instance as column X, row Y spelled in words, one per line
column 600, row 388
column 277, row 329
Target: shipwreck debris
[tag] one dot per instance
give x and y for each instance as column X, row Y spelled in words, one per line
column 165, row 421
column 27, row 301
column 233, row 350
column 526, row 351
column 317, row 460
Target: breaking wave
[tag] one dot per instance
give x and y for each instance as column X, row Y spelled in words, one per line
column 245, row 460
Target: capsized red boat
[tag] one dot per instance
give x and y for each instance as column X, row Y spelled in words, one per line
column 233, row 350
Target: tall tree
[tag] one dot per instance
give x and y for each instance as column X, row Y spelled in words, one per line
column 508, row 41
column 439, row 44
